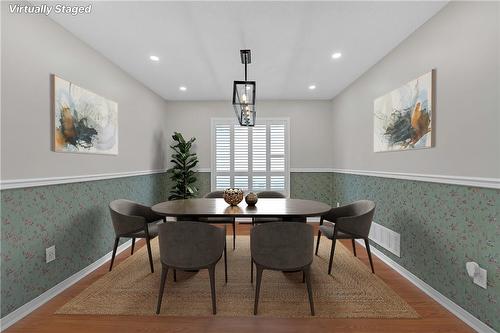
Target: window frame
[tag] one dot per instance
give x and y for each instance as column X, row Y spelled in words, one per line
column 250, row 173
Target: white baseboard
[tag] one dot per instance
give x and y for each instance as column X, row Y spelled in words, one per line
column 32, row 305
column 454, row 308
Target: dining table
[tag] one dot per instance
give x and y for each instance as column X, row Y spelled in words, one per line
column 289, row 210
column 275, row 207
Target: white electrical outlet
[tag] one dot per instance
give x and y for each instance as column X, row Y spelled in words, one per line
column 481, row 279
column 479, row 275
column 50, row 254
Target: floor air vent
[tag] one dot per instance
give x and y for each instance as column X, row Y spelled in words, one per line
column 388, row 239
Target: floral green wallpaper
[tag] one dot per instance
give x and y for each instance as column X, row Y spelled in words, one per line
column 74, row 217
column 312, row 186
column 442, row 227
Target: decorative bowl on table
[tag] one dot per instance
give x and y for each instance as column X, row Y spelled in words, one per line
column 233, row 196
column 251, row 199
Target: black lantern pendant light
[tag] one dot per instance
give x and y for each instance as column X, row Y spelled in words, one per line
column 244, row 95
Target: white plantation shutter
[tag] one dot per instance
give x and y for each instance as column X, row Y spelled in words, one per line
column 251, row 158
column 223, row 181
column 223, row 148
column 240, row 148
column 277, row 147
column 259, row 148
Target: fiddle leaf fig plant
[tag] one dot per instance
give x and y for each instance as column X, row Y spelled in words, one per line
column 182, row 172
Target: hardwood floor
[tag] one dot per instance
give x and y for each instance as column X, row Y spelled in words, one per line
column 435, row 318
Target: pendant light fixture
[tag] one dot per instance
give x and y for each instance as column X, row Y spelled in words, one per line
column 244, row 95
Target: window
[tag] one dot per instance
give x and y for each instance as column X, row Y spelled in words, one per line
column 251, row 158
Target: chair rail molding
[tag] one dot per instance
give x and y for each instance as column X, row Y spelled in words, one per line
column 311, row 170
column 443, row 179
column 33, row 182
column 483, row 182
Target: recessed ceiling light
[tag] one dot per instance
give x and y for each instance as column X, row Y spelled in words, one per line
column 182, row 88
column 312, row 87
column 336, row 55
column 154, row 58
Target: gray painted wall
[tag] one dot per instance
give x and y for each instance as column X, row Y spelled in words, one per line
column 462, row 44
column 310, row 126
column 33, row 48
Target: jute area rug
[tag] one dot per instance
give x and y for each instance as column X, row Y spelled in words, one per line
column 352, row 291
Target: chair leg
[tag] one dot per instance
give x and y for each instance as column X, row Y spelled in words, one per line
column 317, row 242
column 307, row 274
column 257, row 288
column 251, row 270
column 225, row 261
column 234, row 234
column 149, row 251
column 332, row 253
column 175, row 275
column 164, row 272
column 354, row 247
column 367, row 244
column 117, row 239
column 133, row 244
column 211, row 272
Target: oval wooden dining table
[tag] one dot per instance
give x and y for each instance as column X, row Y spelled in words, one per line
column 291, row 208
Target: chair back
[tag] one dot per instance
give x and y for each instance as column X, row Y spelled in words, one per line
column 282, row 245
column 355, row 218
column 190, row 245
column 127, row 216
column 214, row 195
column 271, row 195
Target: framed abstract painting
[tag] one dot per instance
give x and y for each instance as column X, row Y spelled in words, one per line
column 403, row 117
column 84, row 122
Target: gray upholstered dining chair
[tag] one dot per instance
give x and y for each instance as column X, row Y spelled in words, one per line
column 222, row 219
column 282, row 246
column 271, row 195
column 133, row 220
column 268, row 195
column 191, row 246
column 352, row 222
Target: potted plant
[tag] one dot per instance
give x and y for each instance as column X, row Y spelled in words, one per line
column 182, row 172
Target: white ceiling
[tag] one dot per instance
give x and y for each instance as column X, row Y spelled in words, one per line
column 198, row 43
